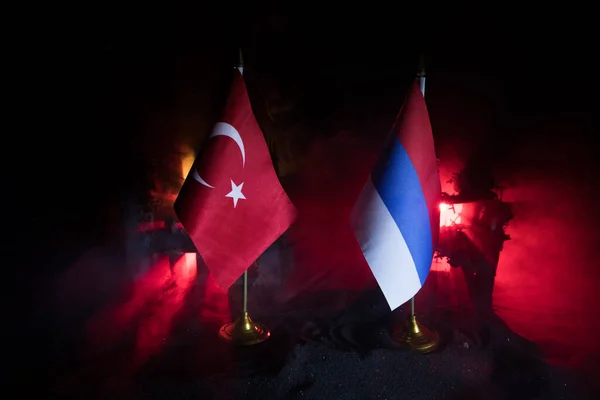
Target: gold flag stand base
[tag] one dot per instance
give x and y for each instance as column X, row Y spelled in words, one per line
column 244, row 331
column 419, row 337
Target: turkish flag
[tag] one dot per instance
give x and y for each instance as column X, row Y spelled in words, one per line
column 231, row 203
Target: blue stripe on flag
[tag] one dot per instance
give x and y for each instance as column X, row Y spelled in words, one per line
column 384, row 247
column 398, row 185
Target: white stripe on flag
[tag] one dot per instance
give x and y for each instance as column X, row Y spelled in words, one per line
column 384, row 248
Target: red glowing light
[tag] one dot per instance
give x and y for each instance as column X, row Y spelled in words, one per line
column 154, row 300
column 450, row 214
column 440, row 265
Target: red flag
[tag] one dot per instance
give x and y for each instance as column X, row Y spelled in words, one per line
column 232, row 204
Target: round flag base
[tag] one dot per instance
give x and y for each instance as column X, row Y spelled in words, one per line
column 419, row 337
column 244, row 332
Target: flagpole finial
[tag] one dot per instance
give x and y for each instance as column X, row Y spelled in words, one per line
column 421, row 70
column 240, row 58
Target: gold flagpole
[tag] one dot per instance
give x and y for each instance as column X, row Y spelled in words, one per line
column 243, row 331
column 415, row 335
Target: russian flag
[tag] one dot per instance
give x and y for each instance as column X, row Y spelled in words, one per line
column 396, row 216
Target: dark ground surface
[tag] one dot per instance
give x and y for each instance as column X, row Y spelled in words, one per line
column 314, row 352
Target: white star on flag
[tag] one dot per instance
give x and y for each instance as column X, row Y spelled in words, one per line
column 236, row 193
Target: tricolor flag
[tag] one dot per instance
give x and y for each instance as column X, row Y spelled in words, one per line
column 232, row 204
column 396, row 217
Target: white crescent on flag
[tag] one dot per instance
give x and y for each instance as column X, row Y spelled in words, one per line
column 223, row 129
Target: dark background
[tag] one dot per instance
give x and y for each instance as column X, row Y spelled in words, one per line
column 108, row 82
